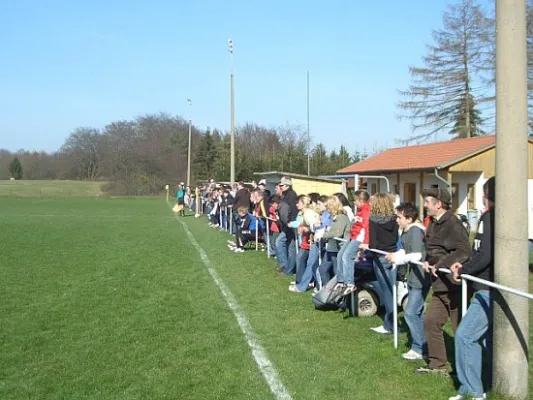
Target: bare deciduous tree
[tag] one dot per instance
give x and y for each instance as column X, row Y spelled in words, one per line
column 84, row 145
column 445, row 94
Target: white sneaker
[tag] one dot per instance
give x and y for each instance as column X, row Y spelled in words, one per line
column 237, row 250
column 381, row 330
column 459, row 397
column 412, row 355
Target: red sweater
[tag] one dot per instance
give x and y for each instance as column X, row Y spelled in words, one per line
column 274, row 225
column 305, row 245
column 361, row 223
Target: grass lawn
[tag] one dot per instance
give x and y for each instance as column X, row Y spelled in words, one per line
column 108, row 299
column 58, row 189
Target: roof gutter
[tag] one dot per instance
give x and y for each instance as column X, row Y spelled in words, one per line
column 440, row 178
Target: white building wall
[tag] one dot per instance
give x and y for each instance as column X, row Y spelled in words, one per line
column 463, row 179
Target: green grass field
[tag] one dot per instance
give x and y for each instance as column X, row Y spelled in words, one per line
column 49, row 189
column 108, row 299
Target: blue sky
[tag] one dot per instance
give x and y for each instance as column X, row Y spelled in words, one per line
column 86, row 63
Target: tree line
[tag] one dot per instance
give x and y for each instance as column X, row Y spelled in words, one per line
column 139, row 157
column 452, row 91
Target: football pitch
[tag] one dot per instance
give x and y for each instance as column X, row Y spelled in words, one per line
column 119, row 299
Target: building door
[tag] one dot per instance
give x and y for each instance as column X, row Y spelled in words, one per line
column 455, row 197
column 409, row 193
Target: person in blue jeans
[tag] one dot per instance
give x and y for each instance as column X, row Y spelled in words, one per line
column 349, row 253
column 316, row 249
column 413, row 248
column 476, row 326
column 339, row 228
column 383, row 232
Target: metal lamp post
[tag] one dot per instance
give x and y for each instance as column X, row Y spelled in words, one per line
column 232, row 113
column 189, row 144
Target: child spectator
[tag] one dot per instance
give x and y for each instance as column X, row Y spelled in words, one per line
column 383, row 232
column 274, row 224
column 418, row 282
column 340, row 227
column 359, row 234
column 244, row 230
column 225, row 209
column 213, row 209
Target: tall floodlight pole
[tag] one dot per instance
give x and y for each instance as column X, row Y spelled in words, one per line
column 189, row 144
column 308, row 131
column 232, row 113
column 511, row 328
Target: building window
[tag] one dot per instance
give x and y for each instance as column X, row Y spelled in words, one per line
column 471, row 196
column 397, row 189
column 434, row 186
column 374, row 188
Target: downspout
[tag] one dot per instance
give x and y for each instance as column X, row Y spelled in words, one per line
column 440, row 178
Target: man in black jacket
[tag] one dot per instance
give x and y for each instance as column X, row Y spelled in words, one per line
column 447, row 243
column 476, row 324
column 241, row 199
column 285, row 243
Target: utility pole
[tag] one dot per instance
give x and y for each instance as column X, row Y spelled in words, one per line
column 308, row 132
column 511, row 327
column 232, row 114
column 189, row 150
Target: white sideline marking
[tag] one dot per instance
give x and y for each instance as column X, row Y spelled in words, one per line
column 265, row 366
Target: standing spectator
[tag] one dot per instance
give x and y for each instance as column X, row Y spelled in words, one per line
column 180, row 199
column 359, row 234
column 477, row 324
column 241, row 199
column 383, row 232
column 418, row 282
column 274, row 222
column 446, row 244
column 340, row 227
column 286, row 242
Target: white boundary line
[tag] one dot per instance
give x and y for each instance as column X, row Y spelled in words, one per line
column 265, row 365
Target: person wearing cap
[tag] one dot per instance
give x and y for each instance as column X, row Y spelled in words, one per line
column 447, row 243
column 285, row 245
column 476, row 325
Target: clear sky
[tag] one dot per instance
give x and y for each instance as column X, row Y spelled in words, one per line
column 67, row 63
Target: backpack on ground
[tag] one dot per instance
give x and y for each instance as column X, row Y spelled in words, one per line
column 327, row 298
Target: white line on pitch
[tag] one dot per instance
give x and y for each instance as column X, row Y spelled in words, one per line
column 265, row 365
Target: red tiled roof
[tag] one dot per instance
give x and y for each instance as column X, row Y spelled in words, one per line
column 422, row 157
